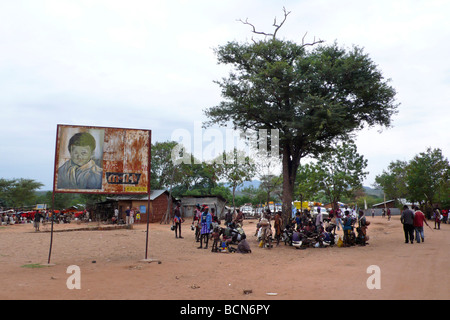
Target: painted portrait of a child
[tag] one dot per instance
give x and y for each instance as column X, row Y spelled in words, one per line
column 81, row 171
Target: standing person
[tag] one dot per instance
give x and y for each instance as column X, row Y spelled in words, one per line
column 205, row 221
column 437, row 219
column 332, row 224
column 228, row 218
column 444, row 216
column 407, row 219
column 389, row 214
column 277, row 224
column 177, row 220
column 266, row 231
column 138, row 215
column 347, row 228
column 419, row 219
column 37, row 220
column 373, row 213
column 127, row 213
column 196, row 222
column 298, row 220
column 339, row 219
column 362, row 224
column 319, row 219
column 116, row 215
column 132, row 216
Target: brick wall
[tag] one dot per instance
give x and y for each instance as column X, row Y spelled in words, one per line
column 158, row 208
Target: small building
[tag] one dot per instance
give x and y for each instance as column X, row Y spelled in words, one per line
column 217, row 203
column 330, row 205
column 379, row 208
column 387, row 204
column 159, row 200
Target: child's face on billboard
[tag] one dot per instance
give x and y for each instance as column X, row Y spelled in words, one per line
column 80, row 155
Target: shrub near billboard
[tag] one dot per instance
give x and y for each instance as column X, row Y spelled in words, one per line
column 102, row 160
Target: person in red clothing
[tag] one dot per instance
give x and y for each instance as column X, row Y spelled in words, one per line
column 419, row 219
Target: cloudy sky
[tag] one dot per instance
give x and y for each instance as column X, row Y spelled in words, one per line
column 150, row 65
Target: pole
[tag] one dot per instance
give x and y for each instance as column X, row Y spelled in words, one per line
column 51, row 232
column 146, row 259
column 53, row 195
column 148, row 190
column 148, row 222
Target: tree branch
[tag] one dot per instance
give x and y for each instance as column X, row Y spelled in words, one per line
column 277, row 26
column 310, row 44
column 282, row 22
column 254, row 29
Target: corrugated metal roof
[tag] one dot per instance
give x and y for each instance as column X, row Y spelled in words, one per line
column 153, row 195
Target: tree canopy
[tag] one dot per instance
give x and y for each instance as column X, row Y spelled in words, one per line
column 422, row 180
column 314, row 94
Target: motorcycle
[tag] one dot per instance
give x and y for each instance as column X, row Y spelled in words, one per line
column 234, row 233
column 286, row 236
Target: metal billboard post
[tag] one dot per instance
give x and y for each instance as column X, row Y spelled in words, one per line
column 146, row 259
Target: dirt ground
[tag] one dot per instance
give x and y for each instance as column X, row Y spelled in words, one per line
column 111, row 266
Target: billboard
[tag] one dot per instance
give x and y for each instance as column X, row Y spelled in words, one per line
column 102, row 160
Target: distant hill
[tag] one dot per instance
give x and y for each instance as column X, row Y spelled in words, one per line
column 373, row 192
column 256, row 183
column 246, row 184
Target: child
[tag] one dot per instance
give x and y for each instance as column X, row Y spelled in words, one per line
column 80, row 172
column 215, row 235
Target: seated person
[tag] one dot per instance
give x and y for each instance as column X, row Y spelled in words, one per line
column 243, row 246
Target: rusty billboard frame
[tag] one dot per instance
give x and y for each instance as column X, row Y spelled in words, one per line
column 118, row 180
column 121, row 159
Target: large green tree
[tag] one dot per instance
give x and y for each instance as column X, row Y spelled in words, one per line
column 428, row 176
column 339, row 172
column 393, row 181
column 314, row 94
column 235, row 167
column 18, row 192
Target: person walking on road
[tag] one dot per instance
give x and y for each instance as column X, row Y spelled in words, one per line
column 419, row 219
column 437, row 218
column 407, row 219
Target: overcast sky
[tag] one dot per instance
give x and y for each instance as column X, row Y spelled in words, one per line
column 150, row 65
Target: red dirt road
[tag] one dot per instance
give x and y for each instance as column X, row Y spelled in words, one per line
column 111, row 267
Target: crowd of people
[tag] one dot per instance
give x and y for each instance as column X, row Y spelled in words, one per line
column 270, row 228
column 132, row 215
column 208, row 228
column 40, row 217
column 318, row 230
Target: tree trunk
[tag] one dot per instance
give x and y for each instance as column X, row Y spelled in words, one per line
column 291, row 162
column 234, row 191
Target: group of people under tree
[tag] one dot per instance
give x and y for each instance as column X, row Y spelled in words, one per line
column 205, row 224
column 308, row 224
